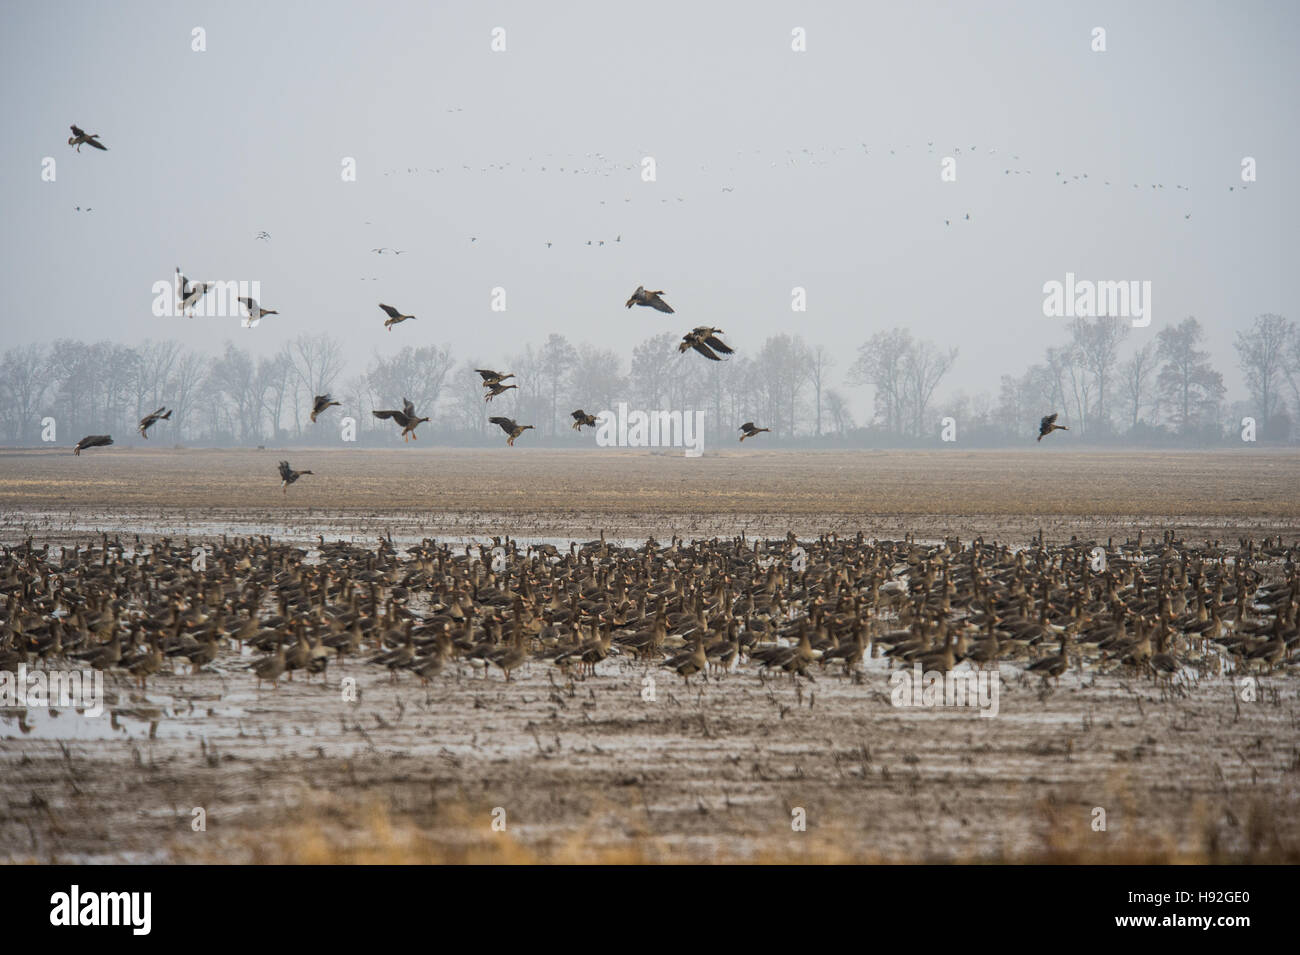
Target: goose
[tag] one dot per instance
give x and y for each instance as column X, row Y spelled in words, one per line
column 496, row 389
column 394, row 316
column 80, row 137
column 750, row 430
column 190, row 294
column 149, row 420
column 491, row 377
column 288, row 475
column 255, row 311
column 510, row 427
column 1048, row 425
column 319, row 404
column 704, row 340
column 646, row 298
column 92, row 441
column 407, row 418
column 582, row 420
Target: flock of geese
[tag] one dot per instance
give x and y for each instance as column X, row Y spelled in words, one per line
column 1164, row 609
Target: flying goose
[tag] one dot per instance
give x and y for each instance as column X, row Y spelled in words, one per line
column 750, row 430
column 92, row 441
column 491, row 377
column 319, row 404
column 643, row 297
column 509, row 426
column 80, row 136
column 407, row 418
column 1048, row 425
column 581, row 419
column 704, row 340
column 394, row 316
column 255, row 311
column 149, row 420
column 496, row 389
column 289, row 475
column 190, row 294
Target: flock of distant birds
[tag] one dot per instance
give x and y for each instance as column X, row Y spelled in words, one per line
column 703, row 339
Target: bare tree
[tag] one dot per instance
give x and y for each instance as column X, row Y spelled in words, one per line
column 1187, row 382
column 1262, row 355
column 820, row 364
column 24, row 385
column 1137, row 382
column 1097, row 344
column 880, row 364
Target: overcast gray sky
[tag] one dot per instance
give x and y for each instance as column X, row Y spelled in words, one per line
column 834, row 187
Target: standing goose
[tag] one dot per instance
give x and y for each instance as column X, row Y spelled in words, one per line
column 149, row 420
column 643, row 297
column 394, row 316
column 583, row 420
column 750, row 430
column 80, row 137
column 705, row 340
column 1048, row 425
column 407, row 418
column 255, row 311
column 319, row 404
column 288, row 475
column 92, row 441
column 510, row 427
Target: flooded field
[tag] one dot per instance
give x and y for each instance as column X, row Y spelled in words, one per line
column 630, row 763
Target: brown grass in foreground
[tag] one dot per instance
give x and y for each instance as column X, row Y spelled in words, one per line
column 372, row 836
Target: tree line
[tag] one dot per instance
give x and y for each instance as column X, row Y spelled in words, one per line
column 1165, row 390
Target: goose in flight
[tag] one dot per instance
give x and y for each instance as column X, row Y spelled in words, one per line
column 705, row 340
column 510, row 427
column 319, row 404
column 407, row 418
column 643, row 297
column 190, row 294
column 149, row 420
column 92, row 441
column 491, row 377
column 288, row 475
column 750, row 430
column 497, row 389
column 581, row 419
column 1048, row 425
column 80, row 137
column 255, row 311
column 394, row 316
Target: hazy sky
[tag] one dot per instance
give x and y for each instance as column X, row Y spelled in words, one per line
column 207, row 149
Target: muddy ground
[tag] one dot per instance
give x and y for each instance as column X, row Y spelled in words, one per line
column 590, row 770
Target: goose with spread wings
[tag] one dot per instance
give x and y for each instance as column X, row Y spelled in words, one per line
column 92, row 441
column 583, row 420
column 750, row 430
column 704, row 339
column 288, row 475
column 394, row 316
column 491, row 377
column 190, row 294
column 510, row 427
column 650, row 299
column 81, row 138
column 407, row 418
column 255, row 311
column 149, row 420
column 319, row 404
column 1048, row 425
